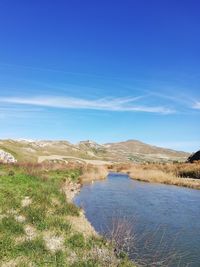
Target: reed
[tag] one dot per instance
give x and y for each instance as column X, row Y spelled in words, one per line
column 92, row 172
column 180, row 174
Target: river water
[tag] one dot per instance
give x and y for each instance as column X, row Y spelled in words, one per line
column 164, row 220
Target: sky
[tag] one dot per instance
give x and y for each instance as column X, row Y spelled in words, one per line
column 102, row 70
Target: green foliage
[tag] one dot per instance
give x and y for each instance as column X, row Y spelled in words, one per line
column 11, row 226
column 11, row 173
column 68, row 209
column 6, row 245
column 59, row 224
column 61, row 174
column 96, row 241
column 31, row 247
column 59, row 259
column 36, row 216
column 76, row 241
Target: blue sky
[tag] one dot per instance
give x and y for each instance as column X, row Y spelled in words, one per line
column 101, row 70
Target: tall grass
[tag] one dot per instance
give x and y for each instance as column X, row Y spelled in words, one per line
column 180, row 174
column 92, row 172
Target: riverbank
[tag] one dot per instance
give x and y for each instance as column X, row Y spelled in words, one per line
column 40, row 226
column 179, row 174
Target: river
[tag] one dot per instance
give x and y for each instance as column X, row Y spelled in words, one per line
column 164, row 220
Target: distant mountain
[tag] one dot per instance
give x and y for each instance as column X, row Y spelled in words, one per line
column 137, row 151
column 131, row 150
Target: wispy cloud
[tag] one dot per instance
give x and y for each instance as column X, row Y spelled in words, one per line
column 109, row 104
column 23, row 112
column 44, row 69
column 196, row 105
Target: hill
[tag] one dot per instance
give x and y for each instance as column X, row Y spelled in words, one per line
column 140, row 152
column 89, row 151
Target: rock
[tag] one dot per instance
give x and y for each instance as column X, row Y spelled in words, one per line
column 6, row 157
column 194, row 157
column 89, row 144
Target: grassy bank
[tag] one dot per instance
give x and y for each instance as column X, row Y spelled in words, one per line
column 180, row 174
column 40, row 226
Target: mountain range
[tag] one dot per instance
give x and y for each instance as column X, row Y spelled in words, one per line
column 48, row 150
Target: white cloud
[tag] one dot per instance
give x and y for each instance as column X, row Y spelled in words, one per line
column 196, row 105
column 109, row 104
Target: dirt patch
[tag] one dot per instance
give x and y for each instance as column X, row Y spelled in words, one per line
column 106, row 256
column 70, row 189
column 19, row 261
column 82, row 225
column 30, row 232
column 20, row 218
column 26, row 202
column 53, row 242
column 59, row 157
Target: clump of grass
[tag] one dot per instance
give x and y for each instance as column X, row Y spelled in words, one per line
column 76, row 241
column 190, row 170
column 11, row 226
column 6, row 245
column 11, row 173
column 91, row 172
column 31, row 247
column 68, row 209
column 36, row 216
column 59, row 224
column 60, row 259
column 97, row 240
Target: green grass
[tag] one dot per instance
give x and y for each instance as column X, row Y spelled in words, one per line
column 89, row 263
column 31, row 248
column 11, row 226
column 77, row 241
column 46, row 213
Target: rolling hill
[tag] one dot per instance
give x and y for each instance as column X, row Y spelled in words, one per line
column 131, row 150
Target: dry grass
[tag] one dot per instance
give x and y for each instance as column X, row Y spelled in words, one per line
column 91, row 172
column 157, row 176
column 88, row 171
column 82, row 225
column 180, row 174
column 147, row 249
